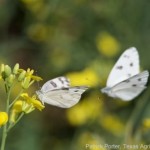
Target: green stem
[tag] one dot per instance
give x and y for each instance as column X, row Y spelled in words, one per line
column 15, row 99
column 12, row 125
column 4, row 133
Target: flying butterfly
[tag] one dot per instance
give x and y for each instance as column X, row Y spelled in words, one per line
column 58, row 92
column 125, row 80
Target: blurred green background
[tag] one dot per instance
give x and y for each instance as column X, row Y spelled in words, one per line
column 82, row 40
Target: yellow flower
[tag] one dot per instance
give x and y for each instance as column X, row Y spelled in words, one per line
column 32, row 100
column 28, row 74
column 37, row 104
column 116, row 128
column 27, row 82
column 3, row 118
column 86, row 77
column 86, row 110
column 36, row 78
column 25, row 104
column 22, row 106
column 18, row 106
column 107, row 44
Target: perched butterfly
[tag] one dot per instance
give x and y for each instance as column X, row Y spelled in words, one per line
column 125, row 80
column 58, row 92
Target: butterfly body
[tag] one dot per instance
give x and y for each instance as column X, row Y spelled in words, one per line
column 58, row 92
column 125, row 80
column 108, row 91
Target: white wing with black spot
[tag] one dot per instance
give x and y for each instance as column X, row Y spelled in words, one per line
column 64, row 98
column 57, row 83
column 58, row 92
column 132, row 87
column 127, row 66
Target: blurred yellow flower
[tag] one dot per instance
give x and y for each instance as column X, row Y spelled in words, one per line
column 39, row 32
column 107, row 44
column 146, row 123
column 86, row 77
column 86, row 110
column 112, row 123
column 35, row 6
column 90, row 141
column 3, row 118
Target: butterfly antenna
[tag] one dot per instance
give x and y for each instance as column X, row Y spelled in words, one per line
column 38, row 85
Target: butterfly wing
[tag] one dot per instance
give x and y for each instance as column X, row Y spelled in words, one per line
column 56, row 83
column 127, row 66
column 64, row 98
column 132, row 87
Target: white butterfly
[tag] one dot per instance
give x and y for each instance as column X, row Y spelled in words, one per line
column 125, row 80
column 58, row 92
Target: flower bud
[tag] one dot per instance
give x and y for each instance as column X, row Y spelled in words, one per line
column 13, row 116
column 10, row 80
column 16, row 68
column 7, row 70
column 26, row 82
column 22, row 76
column 30, row 72
column 2, row 68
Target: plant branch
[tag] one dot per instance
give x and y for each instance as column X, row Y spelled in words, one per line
column 18, row 119
column 136, row 117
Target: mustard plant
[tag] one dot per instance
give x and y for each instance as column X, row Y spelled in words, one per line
column 16, row 108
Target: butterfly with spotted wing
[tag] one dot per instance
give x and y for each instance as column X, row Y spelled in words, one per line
column 58, row 92
column 125, row 80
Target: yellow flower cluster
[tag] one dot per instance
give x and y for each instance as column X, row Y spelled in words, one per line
column 3, row 118
column 107, row 44
column 25, row 104
column 25, row 77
